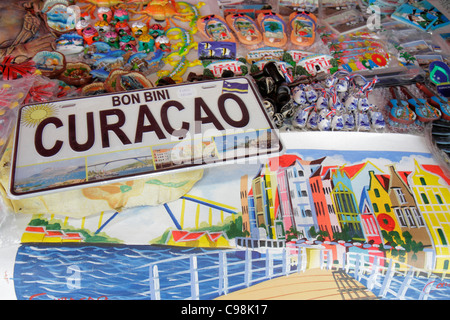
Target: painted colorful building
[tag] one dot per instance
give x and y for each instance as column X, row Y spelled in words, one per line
column 432, row 195
column 345, row 203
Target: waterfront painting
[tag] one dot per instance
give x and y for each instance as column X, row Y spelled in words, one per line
column 123, row 163
column 359, row 224
column 50, row 175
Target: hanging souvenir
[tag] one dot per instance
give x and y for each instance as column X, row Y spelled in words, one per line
column 215, row 28
column 245, row 28
column 273, row 29
column 303, row 28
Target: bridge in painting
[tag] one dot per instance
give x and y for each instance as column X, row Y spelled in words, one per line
column 211, row 205
column 105, row 163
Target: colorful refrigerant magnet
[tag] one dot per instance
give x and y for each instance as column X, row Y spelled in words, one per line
column 303, row 28
column 216, row 50
column 215, row 28
column 50, row 63
column 400, row 111
column 245, row 28
column 273, row 29
column 424, row 111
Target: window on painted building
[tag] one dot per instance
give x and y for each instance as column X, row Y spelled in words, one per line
column 400, row 195
column 400, row 217
column 418, row 217
column 377, row 193
column 304, row 193
column 422, row 181
column 438, row 198
column 387, row 207
column 330, row 208
column 375, row 207
column 424, row 198
column 308, row 213
column 412, row 222
column 442, row 236
column 300, row 173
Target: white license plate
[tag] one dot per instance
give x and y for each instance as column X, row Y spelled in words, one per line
column 92, row 140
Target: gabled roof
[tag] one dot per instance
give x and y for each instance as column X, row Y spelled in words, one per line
column 383, row 179
column 183, row 235
column 192, row 236
column 35, row 229
column 214, row 236
column 177, row 235
column 288, row 160
column 436, row 170
column 54, row 233
column 404, row 176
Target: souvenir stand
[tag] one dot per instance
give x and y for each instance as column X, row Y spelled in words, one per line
column 172, row 150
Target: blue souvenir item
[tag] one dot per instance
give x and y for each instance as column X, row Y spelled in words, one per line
column 363, row 122
column 377, row 120
column 313, row 121
column 424, row 111
column 349, row 121
column 337, row 123
column 400, row 111
column 301, row 118
column 436, row 100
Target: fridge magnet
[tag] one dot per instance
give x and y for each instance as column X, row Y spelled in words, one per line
column 50, row 63
column 436, row 100
column 215, row 28
column 61, row 18
column 429, row 8
column 400, row 111
column 273, row 29
column 303, row 28
column 424, row 111
column 414, row 17
column 245, row 28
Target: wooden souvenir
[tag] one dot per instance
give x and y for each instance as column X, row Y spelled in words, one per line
column 121, row 80
column 215, row 28
column 273, row 29
column 303, row 28
column 23, row 32
column 245, row 28
column 76, row 74
column 50, row 63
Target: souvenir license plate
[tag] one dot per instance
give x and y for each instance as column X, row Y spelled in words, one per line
column 89, row 141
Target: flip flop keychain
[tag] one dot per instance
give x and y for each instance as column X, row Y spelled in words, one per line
column 245, row 28
column 215, row 28
column 273, row 29
column 303, row 28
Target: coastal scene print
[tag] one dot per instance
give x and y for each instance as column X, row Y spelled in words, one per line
column 50, row 175
column 355, row 224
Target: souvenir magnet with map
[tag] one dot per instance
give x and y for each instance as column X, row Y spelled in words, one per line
column 303, row 28
column 440, row 76
column 273, row 29
column 245, row 28
column 215, row 28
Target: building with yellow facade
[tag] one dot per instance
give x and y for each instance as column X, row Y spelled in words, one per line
column 432, row 195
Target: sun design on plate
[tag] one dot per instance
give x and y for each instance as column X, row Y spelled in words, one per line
column 33, row 115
